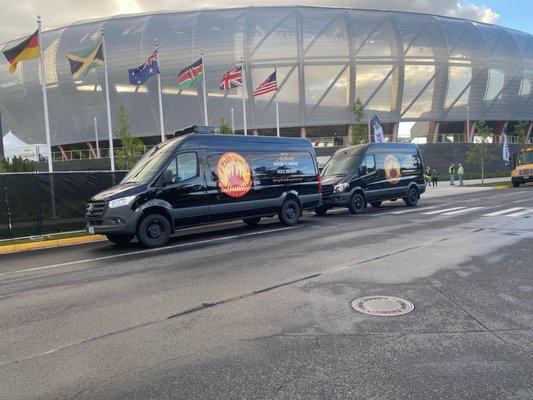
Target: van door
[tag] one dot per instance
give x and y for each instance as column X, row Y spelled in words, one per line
column 186, row 193
column 368, row 177
column 230, row 189
column 391, row 182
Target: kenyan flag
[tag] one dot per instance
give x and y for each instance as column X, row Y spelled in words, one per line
column 190, row 75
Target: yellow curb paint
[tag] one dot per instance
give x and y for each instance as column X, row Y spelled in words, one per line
column 46, row 244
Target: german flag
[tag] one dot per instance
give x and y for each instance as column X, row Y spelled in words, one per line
column 23, row 51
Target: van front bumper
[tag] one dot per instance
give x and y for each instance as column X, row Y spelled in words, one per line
column 113, row 220
column 522, row 179
column 337, row 199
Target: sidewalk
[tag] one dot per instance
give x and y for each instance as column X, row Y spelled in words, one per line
column 445, row 189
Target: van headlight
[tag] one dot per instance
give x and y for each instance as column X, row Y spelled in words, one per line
column 122, row 201
column 341, row 187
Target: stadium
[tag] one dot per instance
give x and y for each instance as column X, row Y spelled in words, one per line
column 433, row 71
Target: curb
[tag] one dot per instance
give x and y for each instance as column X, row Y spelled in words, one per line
column 47, row 244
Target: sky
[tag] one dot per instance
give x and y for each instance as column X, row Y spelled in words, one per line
column 18, row 16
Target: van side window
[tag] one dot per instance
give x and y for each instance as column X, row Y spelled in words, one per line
column 410, row 161
column 370, row 163
column 187, row 166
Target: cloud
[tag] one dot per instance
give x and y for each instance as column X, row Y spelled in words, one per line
column 18, row 17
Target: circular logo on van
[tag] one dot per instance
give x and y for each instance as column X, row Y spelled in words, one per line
column 393, row 169
column 234, row 174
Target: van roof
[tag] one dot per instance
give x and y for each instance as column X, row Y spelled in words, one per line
column 266, row 142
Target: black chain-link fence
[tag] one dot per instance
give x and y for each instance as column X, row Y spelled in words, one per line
column 39, row 204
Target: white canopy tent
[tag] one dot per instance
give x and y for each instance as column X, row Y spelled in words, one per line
column 14, row 146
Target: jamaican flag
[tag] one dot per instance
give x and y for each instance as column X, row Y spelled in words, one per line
column 82, row 61
column 29, row 48
column 190, row 75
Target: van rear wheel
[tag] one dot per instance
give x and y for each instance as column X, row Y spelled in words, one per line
column 154, row 230
column 411, row 199
column 289, row 213
column 516, row 184
column 119, row 239
column 252, row 221
column 357, row 203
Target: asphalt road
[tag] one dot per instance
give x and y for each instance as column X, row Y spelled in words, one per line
column 231, row 312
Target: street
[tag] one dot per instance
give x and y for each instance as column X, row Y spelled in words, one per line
column 233, row 312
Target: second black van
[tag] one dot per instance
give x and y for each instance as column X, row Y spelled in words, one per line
column 203, row 178
column 369, row 174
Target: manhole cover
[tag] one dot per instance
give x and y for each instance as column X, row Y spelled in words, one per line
column 384, row 306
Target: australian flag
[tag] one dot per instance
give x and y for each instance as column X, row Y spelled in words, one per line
column 140, row 75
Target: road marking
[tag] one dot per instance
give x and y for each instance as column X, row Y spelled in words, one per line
column 175, row 246
column 443, row 211
column 507, row 210
column 415, row 209
column 463, row 211
column 520, row 213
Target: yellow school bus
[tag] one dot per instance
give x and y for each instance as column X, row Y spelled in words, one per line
column 523, row 166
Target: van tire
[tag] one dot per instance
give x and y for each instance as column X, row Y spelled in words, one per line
column 516, row 184
column 357, row 203
column 412, row 197
column 251, row 221
column 153, row 230
column 375, row 204
column 120, row 239
column 289, row 213
column 321, row 210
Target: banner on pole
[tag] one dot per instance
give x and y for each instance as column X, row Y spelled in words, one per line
column 378, row 130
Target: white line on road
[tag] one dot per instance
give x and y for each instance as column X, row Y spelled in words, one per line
column 520, row 213
column 507, row 210
column 463, row 211
column 175, row 246
column 415, row 209
column 443, row 211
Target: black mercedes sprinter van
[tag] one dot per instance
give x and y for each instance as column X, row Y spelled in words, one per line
column 203, row 178
column 370, row 173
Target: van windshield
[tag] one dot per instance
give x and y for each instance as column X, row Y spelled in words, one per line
column 525, row 158
column 342, row 163
column 150, row 164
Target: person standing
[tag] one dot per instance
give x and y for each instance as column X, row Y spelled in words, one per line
column 460, row 174
column 451, row 173
column 427, row 176
column 434, row 177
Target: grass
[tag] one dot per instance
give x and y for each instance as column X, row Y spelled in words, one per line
column 499, row 185
column 43, row 238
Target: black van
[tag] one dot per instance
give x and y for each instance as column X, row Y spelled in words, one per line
column 203, row 178
column 358, row 175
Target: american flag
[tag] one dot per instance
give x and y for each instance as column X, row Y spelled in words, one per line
column 269, row 85
column 232, row 79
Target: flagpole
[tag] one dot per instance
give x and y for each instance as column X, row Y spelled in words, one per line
column 96, row 137
column 232, row 120
column 108, row 106
column 368, row 128
column 206, row 121
column 277, row 103
column 243, row 88
column 161, row 121
column 45, row 99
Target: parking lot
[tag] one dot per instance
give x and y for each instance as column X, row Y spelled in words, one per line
column 228, row 311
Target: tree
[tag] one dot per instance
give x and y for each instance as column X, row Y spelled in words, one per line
column 224, row 128
column 520, row 132
column 360, row 128
column 132, row 147
column 16, row 164
column 479, row 153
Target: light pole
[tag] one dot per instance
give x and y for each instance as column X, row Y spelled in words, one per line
column 467, row 124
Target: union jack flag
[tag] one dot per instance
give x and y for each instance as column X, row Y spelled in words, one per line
column 269, row 85
column 232, row 79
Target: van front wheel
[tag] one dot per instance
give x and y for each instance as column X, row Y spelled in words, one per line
column 357, row 203
column 289, row 213
column 154, row 230
column 411, row 199
column 252, row 221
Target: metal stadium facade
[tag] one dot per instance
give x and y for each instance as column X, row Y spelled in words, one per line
column 403, row 67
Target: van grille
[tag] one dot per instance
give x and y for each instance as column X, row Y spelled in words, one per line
column 525, row 172
column 95, row 210
column 327, row 190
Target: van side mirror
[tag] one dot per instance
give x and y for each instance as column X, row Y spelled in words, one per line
column 363, row 170
column 167, row 177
